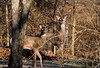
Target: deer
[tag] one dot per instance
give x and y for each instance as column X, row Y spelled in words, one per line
column 34, row 43
column 62, row 33
column 61, row 36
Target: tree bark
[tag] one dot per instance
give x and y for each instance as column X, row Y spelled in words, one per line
column 20, row 12
column 7, row 23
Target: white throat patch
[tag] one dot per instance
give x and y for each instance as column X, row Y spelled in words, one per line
column 62, row 25
column 44, row 35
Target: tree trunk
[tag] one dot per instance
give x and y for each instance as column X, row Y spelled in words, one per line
column 73, row 31
column 15, row 57
column 1, row 38
column 7, row 23
column 20, row 12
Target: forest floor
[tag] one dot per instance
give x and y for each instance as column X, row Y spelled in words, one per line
column 48, row 62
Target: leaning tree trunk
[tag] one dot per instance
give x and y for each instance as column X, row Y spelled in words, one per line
column 20, row 11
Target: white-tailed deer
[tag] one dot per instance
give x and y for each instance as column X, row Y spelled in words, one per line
column 60, row 41
column 62, row 36
column 35, row 43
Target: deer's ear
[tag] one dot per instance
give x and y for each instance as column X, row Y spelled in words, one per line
column 64, row 19
column 40, row 26
column 58, row 18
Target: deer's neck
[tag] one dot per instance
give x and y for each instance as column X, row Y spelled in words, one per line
column 63, row 28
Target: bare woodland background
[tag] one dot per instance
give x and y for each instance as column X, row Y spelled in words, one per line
column 87, row 26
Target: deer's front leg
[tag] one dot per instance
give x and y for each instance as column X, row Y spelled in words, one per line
column 34, row 60
column 39, row 55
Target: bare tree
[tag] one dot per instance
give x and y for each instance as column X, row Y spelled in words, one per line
column 20, row 11
column 73, row 31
